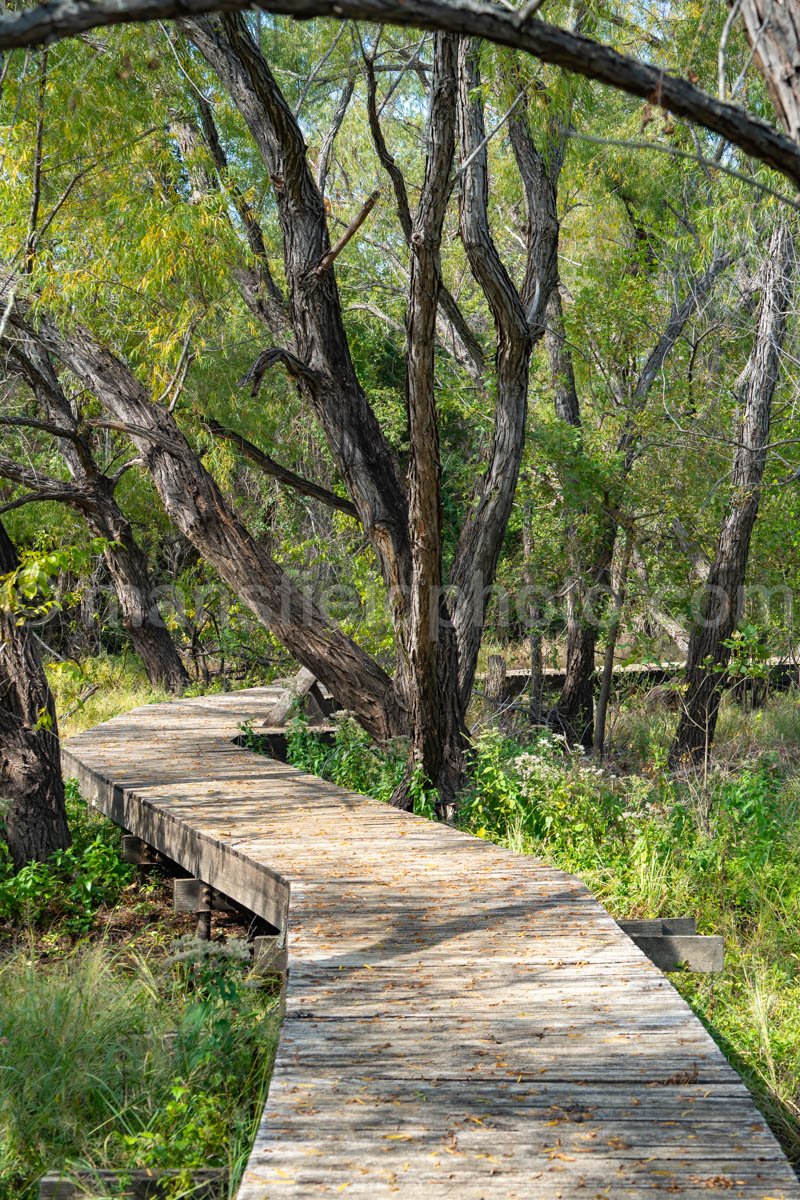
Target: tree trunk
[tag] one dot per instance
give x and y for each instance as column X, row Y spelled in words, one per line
column 607, row 678
column 31, row 787
column 94, row 497
column 140, row 613
column 574, row 713
column 428, row 647
column 196, row 505
column 517, row 329
column 534, row 617
column 773, row 31
column 709, row 651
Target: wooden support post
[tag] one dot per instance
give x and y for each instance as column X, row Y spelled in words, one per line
column 672, row 944
column 674, row 926
column 204, row 916
column 135, row 851
column 189, row 896
column 675, row 953
column 195, row 896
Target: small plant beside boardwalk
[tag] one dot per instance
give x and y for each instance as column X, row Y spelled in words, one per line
column 124, row 1043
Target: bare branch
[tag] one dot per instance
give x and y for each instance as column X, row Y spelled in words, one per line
column 313, row 74
column 723, row 46
column 175, row 385
column 137, row 431
column 45, row 486
column 283, row 474
column 323, row 164
column 488, row 137
column 67, row 496
column 270, row 358
column 330, row 257
column 708, row 164
column 36, row 187
column 58, row 431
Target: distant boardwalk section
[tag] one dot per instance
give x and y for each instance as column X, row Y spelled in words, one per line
column 461, row 1022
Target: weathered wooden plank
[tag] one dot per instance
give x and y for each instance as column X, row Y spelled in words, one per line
column 461, row 1022
column 672, row 953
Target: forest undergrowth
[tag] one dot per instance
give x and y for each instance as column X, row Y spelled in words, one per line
column 124, row 1043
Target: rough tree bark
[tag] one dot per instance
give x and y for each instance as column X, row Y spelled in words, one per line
column 427, row 641
column 773, row 31
column 619, row 593
column 31, row 787
column 518, row 318
column 723, row 593
column 94, row 497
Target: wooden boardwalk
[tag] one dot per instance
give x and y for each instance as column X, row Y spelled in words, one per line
column 461, row 1022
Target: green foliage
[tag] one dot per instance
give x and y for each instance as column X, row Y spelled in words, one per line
column 106, row 1063
column 70, row 887
column 543, row 793
column 30, row 590
column 351, row 759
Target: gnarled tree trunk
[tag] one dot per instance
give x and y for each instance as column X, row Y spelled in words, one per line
column 127, row 565
column 31, row 787
column 93, row 495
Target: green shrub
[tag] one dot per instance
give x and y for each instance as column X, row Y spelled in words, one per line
column 352, row 760
column 70, row 886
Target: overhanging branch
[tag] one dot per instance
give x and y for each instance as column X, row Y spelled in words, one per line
column 475, row 18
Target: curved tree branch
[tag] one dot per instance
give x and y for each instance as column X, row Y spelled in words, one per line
column 474, row 18
column 283, row 474
column 482, row 535
column 357, row 443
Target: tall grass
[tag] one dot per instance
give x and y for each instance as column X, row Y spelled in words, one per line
column 111, row 1063
column 97, row 689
